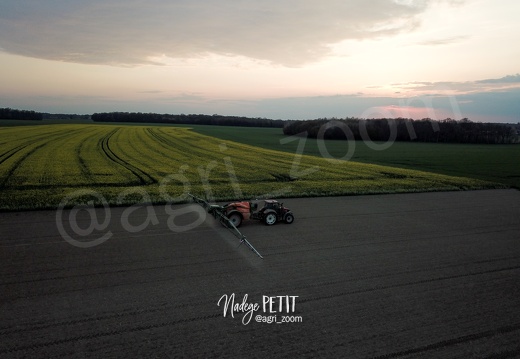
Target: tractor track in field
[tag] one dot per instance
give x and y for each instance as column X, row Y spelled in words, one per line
column 458, row 340
column 18, row 162
column 313, row 285
column 13, row 168
column 411, row 283
column 395, row 276
column 6, row 155
column 325, row 246
column 9, row 153
column 153, row 134
column 85, row 170
column 150, row 156
column 343, row 282
column 126, row 270
column 163, row 142
column 108, row 286
column 162, row 138
column 96, row 318
column 140, row 328
column 143, row 177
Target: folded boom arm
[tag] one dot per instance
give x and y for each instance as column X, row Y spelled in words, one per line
column 218, row 212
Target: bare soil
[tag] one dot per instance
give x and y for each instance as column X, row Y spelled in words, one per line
column 433, row 275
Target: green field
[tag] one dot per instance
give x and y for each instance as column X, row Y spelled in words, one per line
column 496, row 163
column 41, row 165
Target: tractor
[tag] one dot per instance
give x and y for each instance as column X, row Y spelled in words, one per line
column 237, row 212
column 271, row 212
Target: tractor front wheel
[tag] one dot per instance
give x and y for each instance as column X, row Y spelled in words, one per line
column 289, row 218
column 270, row 219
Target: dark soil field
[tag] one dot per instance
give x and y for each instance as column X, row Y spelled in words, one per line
column 432, row 275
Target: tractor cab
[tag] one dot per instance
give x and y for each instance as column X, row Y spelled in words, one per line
column 271, row 204
column 274, row 211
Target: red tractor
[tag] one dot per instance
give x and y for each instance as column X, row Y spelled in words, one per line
column 270, row 213
column 236, row 212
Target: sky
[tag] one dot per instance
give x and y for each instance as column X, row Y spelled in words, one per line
column 279, row 59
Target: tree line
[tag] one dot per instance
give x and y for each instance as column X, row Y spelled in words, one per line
column 401, row 129
column 65, row 116
column 12, row 114
column 134, row 117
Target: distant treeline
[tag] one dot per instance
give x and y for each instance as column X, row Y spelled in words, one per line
column 12, row 114
column 186, row 119
column 65, row 116
column 400, row 129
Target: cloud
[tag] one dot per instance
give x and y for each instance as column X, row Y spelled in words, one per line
column 443, row 41
column 466, row 87
column 133, row 32
column 503, row 80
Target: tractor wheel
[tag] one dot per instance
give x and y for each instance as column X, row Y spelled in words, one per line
column 289, row 218
column 270, row 219
column 236, row 219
